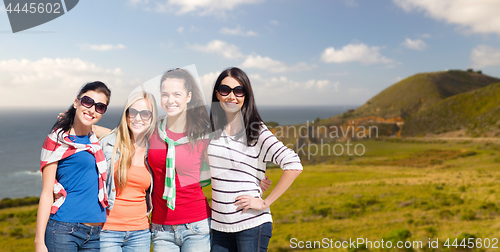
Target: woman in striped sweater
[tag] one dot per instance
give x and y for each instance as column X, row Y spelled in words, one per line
column 238, row 152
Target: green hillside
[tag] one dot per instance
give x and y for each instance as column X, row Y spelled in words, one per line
column 419, row 92
column 477, row 113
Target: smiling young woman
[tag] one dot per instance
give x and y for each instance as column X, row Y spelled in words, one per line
column 72, row 157
column 181, row 214
column 238, row 152
column 129, row 180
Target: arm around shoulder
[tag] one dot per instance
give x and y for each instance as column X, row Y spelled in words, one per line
column 246, row 202
column 100, row 131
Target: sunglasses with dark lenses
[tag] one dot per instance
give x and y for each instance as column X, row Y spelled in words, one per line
column 89, row 102
column 225, row 90
column 145, row 114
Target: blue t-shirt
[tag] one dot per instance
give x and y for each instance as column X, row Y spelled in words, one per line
column 79, row 177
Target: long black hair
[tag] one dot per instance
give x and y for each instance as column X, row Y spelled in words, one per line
column 251, row 117
column 68, row 119
column 196, row 114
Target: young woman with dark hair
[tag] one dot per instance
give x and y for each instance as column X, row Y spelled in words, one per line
column 73, row 165
column 180, row 217
column 237, row 154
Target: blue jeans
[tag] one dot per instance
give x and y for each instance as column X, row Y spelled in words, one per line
column 191, row 237
column 126, row 241
column 251, row 240
column 66, row 236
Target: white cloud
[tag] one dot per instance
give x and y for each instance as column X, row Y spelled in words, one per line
column 338, row 74
column 200, row 7
column 480, row 16
column 485, row 56
column 416, row 44
column 135, row 2
column 193, row 29
column 350, row 3
column 208, row 80
column 168, row 43
column 180, row 29
column 274, row 66
column 354, row 52
column 322, row 83
column 228, row 51
column 319, row 84
column 103, row 47
column 292, row 92
column 283, row 83
column 52, row 82
column 425, row 35
column 207, row 84
column 274, row 22
column 238, row 31
column 264, row 63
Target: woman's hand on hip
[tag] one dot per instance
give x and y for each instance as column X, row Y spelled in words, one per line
column 265, row 184
column 246, row 202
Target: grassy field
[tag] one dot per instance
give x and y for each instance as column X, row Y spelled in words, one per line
column 17, row 228
column 398, row 191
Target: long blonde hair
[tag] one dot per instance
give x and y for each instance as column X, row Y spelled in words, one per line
column 124, row 136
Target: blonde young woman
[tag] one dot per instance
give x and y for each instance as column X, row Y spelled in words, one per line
column 129, row 180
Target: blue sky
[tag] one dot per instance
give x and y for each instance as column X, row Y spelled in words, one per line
column 337, row 52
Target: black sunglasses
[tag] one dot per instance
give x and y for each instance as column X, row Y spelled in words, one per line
column 225, row 90
column 89, row 102
column 145, row 114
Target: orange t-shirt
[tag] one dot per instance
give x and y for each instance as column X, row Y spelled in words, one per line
column 130, row 212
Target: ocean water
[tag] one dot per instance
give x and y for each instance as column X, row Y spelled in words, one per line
column 23, row 131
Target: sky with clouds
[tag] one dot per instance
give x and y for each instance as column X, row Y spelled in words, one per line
column 331, row 52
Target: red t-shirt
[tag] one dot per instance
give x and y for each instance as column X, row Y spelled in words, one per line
column 190, row 204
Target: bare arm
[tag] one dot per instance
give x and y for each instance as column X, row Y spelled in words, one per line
column 246, row 202
column 45, row 204
column 100, row 131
